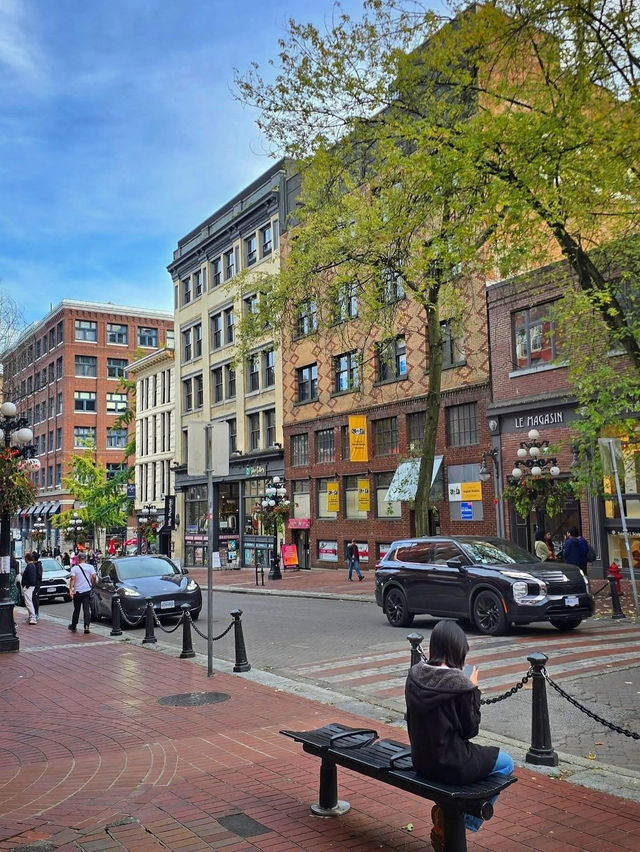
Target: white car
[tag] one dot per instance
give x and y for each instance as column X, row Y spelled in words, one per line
column 55, row 580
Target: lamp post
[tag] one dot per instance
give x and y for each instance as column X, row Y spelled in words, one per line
column 485, row 475
column 276, row 495
column 75, row 530
column 148, row 514
column 17, row 435
column 533, row 459
column 38, row 533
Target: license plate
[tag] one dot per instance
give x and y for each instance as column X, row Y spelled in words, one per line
column 571, row 600
column 171, row 604
column 52, row 588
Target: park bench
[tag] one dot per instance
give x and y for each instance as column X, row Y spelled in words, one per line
column 389, row 761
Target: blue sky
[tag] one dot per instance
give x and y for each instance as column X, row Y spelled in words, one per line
column 119, row 133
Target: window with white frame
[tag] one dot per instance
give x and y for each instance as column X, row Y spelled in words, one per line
column 85, row 401
column 186, row 290
column 253, row 421
column 269, row 424
column 269, row 368
column 198, row 283
column 307, row 318
column 197, row 340
column 229, row 326
column 187, row 344
column 266, row 241
column 116, row 439
column 229, row 265
column 391, row 359
column 307, row 383
column 84, row 436
column 322, row 492
column 86, row 330
column 346, row 372
column 116, row 368
column 253, row 372
column 116, row 403
column 118, row 333
column 86, row 365
column 216, row 271
column 299, row 450
column 187, row 394
column 325, row 445
column 216, row 331
column 198, row 391
column 386, row 509
column 230, row 381
column 346, row 303
column 534, row 336
column 250, row 250
column 217, row 384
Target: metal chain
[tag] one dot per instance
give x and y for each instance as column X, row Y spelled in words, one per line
column 204, row 635
column 601, row 589
column 126, row 620
column 495, row 700
column 589, row 713
column 159, row 624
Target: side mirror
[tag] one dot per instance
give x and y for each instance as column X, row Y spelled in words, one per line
column 457, row 564
column 185, row 570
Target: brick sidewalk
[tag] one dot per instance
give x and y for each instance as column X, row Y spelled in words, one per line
column 89, row 760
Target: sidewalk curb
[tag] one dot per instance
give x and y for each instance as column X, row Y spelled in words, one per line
column 621, row 782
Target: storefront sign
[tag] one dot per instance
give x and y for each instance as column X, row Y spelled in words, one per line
column 289, row 555
column 465, row 491
column 466, row 511
column 170, row 511
column 255, row 470
column 364, row 495
column 328, row 551
column 534, row 421
column 358, row 439
column 299, row 523
column 333, row 496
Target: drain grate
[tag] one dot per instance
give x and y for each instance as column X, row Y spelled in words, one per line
column 194, row 699
column 243, row 825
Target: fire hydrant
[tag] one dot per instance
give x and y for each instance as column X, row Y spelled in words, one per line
column 614, row 571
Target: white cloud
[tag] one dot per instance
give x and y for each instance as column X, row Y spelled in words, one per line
column 19, row 51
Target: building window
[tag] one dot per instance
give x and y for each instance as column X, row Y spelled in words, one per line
column 114, row 468
column 415, row 430
column 59, row 438
column 52, row 372
column 322, row 491
column 269, row 368
column 216, row 271
column 345, row 445
column 147, row 337
column 216, row 380
column 385, row 509
column 60, row 332
column 86, row 330
column 266, row 241
column 187, row 344
column 197, row 340
column 86, row 365
column 50, row 476
column 250, row 250
column 199, row 283
column 350, row 484
column 299, row 450
column 84, row 401
column 301, row 502
column 534, row 336
column 251, row 304
column 233, row 435
column 253, row 372
column 59, row 403
column 116, row 403
column 116, row 368
column 392, row 359
column 216, row 331
column 229, row 328
column 198, row 391
column 229, row 265
column 392, row 289
column 84, row 436
column 187, row 394
column 50, row 441
column 45, row 348
column 58, row 474
column 346, row 304
column 254, row 431
column 117, row 333
column 452, row 344
column 345, row 372
column 461, row 422
column 307, row 383
column 385, row 436
column 39, row 345
column 325, row 446
column 116, row 439
column 307, row 318
column 186, row 290
column 52, row 338
column 269, row 418
column 230, row 381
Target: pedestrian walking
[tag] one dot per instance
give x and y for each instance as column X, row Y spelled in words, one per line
column 353, row 560
column 66, row 559
column 83, row 578
column 443, row 716
column 576, row 550
column 36, row 591
column 29, row 582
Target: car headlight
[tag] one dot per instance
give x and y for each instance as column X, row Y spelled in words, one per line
column 520, row 589
column 192, row 586
column 130, row 593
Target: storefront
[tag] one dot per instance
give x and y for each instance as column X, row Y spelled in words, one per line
column 627, row 454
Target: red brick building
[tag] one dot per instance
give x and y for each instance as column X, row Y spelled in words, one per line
column 63, row 373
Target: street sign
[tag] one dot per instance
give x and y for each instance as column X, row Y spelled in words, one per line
column 197, row 449
column 131, row 491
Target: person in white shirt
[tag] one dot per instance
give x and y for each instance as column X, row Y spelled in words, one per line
column 83, row 578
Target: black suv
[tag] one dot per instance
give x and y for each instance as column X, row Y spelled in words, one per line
column 487, row 580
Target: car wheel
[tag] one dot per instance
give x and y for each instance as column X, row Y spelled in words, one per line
column 396, row 609
column 195, row 614
column 565, row 623
column 488, row 613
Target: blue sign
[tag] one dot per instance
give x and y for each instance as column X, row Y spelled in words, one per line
column 466, row 511
column 131, row 491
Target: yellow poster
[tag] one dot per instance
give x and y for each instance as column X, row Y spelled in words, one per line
column 333, row 496
column 471, row 491
column 364, row 495
column 358, row 438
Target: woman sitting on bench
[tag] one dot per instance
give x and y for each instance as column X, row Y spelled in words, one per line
column 443, row 715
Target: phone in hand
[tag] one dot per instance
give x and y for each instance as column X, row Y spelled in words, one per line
column 468, row 670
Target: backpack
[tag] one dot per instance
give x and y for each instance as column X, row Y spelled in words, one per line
column 589, row 553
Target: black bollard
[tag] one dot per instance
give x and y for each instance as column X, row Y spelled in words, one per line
column 615, row 598
column 149, row 636
column 116, row 629
column 242, row 664
column 415, row 639
column 541, row 752
column 187, row 647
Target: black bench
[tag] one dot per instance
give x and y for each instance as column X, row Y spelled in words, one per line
column 390, row 762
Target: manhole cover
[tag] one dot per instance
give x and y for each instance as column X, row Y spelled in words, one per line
column 243, row 825
column 194, row 699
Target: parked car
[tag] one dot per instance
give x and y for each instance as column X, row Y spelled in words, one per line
column 55, row 580
column 488, row 581
column 137, row 578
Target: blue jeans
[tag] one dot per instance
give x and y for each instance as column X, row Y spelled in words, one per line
column 502, row 766
column 354, row 563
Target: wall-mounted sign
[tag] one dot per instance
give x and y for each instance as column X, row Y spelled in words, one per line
column 364, row 495
column 255, row 470
column 299, row 523
column 333, row 496
column 534, row 421
column 465, row 491
column 328, row 551
column 466, row 511
column 358, row 438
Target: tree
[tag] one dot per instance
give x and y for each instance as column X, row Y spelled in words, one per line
column 489, row 141
column 11, row 320
column 103, row 498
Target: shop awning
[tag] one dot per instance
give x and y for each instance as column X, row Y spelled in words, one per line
column 405, row 480
column 54, row 508
column 43, row 509
column 32, row 509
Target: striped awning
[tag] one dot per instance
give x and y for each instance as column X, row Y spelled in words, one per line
column 54, row 508
column 32, row 509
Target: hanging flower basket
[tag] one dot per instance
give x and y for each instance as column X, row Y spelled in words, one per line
column 539, row 494
column 16, row 489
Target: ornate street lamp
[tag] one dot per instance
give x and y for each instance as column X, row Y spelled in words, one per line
column 75, row 530
column 532, row 484
column 533, row 458
column 17, row 437
column 274, row 507
column 147, row 524
column 38, row 532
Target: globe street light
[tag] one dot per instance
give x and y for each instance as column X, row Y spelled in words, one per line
column 75, row 530
column 276, row 497
column 15, row 433
column 38, row 533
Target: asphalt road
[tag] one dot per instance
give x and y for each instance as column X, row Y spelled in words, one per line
column 347, row 647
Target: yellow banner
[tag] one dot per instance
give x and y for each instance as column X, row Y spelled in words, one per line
column 471, row 491
column 358, row 438
column 364, row 495
column 333, row 496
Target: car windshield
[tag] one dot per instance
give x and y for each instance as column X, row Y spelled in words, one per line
column 51, row 566
column 487, row 552
column 144, row 566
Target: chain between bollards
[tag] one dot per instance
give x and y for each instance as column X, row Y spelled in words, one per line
column 241, row 664
column 116, row 629
column 187, row 648
column 541, row 752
